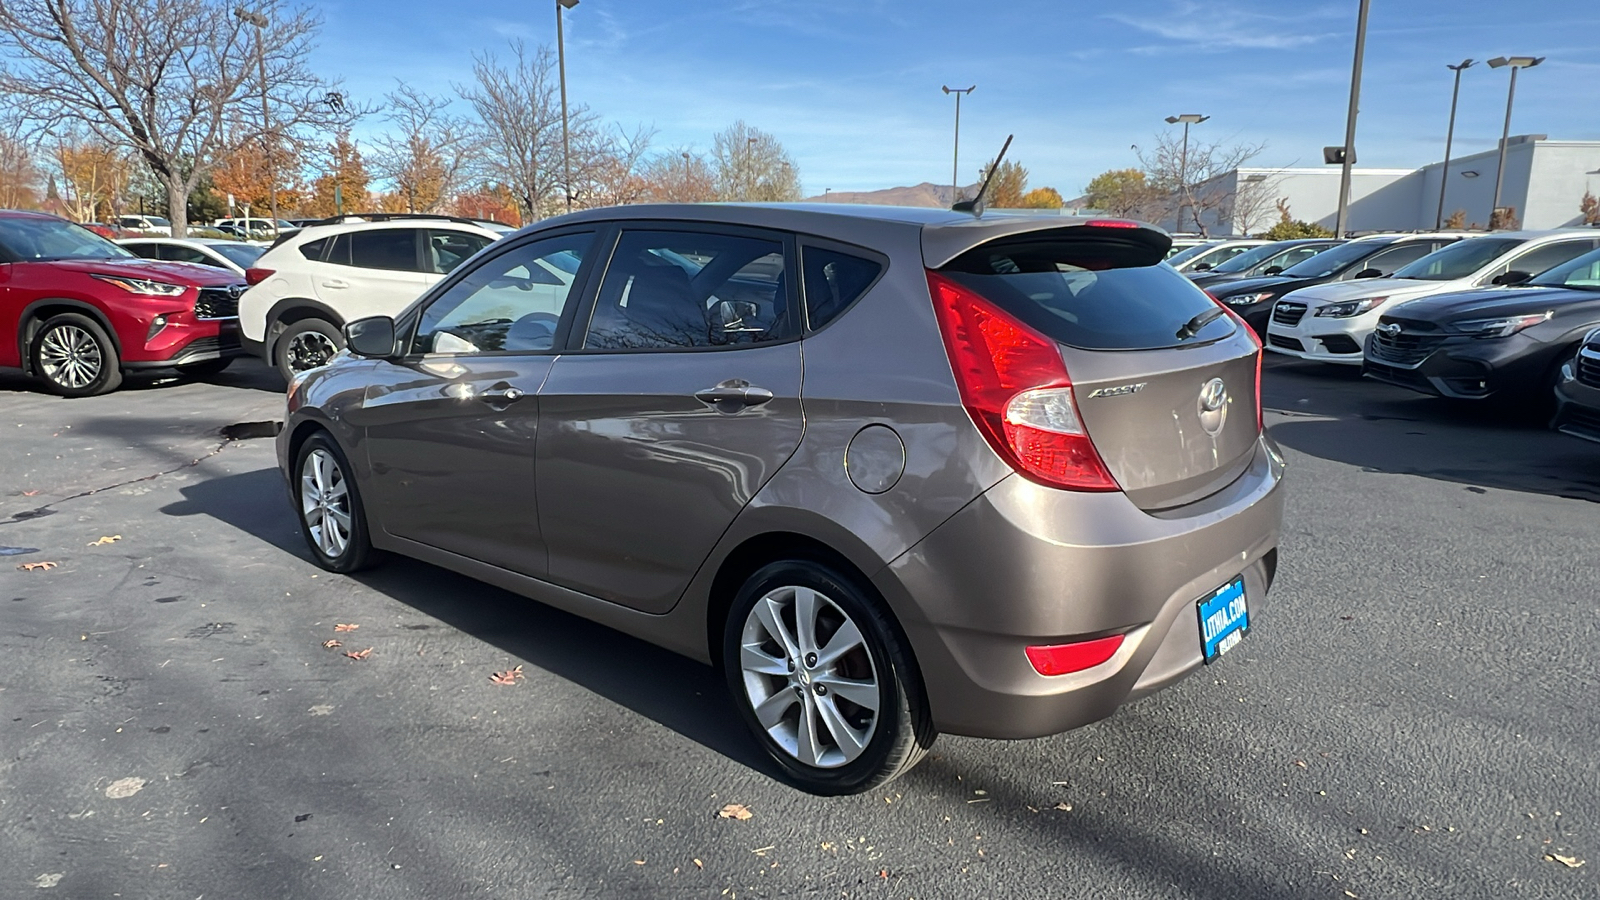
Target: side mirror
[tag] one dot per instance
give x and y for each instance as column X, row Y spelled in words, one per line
column 1369, row 273
column 1514, row 276
column 1272, row 270
column 372, row 337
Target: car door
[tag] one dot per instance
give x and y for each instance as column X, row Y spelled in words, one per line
column 450, row 426
column 373, row 272
column 675, row 403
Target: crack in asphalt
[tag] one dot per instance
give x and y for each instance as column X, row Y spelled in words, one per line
column 231, row 434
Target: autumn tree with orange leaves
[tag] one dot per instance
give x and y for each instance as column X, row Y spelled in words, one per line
column 94, row 176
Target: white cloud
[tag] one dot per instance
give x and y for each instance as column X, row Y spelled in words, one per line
column 1223, row 26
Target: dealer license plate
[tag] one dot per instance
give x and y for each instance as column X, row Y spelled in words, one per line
column 1224, row 620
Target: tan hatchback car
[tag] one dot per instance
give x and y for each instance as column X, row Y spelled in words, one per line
column 895, row 471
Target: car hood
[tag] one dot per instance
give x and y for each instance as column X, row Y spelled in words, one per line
column 1249, row 285
column 152, row 269
column 1400, row 288
column 1510, row 301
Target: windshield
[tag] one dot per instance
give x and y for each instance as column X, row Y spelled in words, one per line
column 1582, row 273
column 241, row 255
column 1247, row 260
column 1457, row 260
column 1183, row 256
column 1332, row 262
column 35, row 240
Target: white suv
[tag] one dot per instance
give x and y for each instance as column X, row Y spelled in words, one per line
column 1331, row 322
column 312, row 282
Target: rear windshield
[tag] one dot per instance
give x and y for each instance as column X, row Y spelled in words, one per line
column 1089, row 293
column 1457, row 260
column 1335, row 260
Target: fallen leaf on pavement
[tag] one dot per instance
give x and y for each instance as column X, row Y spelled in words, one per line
column 1064, row 807
column 699, row 865
column 509, row 676
column 29, row 567
column 125, row 787
column 360, row 654
column 734, row 811
column 340, row 626
column 30, row 493
column 330, row 644
column 106, row 539
column 1571, row 862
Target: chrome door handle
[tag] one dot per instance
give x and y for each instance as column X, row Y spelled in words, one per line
column 732, row 396
column 500, row 395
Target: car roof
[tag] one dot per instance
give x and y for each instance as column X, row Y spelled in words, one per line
column 945, row 234
column 27, row 214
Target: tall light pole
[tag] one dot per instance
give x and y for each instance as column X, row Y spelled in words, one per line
column 955, row 164
column 1183, row 164
column 1449, row 136
column 561, row 56
column 1515, row 62
column 1348, row 157
column 259, row 20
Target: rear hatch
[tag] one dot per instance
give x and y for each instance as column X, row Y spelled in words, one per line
column 1165, row 388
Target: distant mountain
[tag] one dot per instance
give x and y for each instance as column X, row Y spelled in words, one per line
column 925, row 194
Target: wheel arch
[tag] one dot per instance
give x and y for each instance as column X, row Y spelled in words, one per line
column 290, row 310
column 39, row 311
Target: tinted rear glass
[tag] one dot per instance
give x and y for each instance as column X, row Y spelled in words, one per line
column 1089, row 293
column 833, row 281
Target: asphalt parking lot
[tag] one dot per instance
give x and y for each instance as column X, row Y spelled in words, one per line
column 1413, row 715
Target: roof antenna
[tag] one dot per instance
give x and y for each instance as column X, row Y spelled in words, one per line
column 978, row 204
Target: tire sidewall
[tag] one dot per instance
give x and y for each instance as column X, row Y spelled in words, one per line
column 110, row 376
column 358, row 552
column 292, row 330
column 898, row 687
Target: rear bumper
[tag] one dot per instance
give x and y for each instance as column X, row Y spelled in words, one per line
column 1025, row 565
column 1469, row 370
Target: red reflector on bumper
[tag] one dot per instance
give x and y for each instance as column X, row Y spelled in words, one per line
column 1063, row 659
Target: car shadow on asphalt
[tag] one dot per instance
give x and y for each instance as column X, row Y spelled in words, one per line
column 246, row 373
column 1330, row 412
column 671, row 690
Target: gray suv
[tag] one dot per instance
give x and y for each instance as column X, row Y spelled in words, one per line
column 895, row 471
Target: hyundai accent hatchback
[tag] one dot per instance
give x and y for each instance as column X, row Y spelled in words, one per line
column 895, row 471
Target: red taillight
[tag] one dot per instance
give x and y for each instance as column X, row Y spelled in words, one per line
column 1064, row 659
column 1015, row 386
column 256, row 276
column 1254, row 339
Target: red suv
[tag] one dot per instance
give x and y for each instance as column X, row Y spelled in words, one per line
column 77, row 310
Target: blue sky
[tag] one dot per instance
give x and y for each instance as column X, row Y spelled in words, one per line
column 851, row 87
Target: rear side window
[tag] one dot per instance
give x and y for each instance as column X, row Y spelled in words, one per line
column 313, row 250
column 1088, row 293
column 834, row 280
column 388, row 248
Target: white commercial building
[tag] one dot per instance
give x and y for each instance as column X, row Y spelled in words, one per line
column 1544, row 184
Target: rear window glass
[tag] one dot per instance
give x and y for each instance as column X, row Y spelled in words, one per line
column 833, row 281
column 1090, row 294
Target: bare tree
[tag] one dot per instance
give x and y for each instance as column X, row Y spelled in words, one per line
column 430, row 153
column 172, row 80
column 1175, row 172
column 751, row 165
column 680, row 176
column 608, row 166
column 520, row 112
column 19, row 175
column 1254, row 202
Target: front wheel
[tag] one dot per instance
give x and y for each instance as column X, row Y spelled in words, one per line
column 76, row 357
column 824, row 680
column 332, row 518
column 307, row 344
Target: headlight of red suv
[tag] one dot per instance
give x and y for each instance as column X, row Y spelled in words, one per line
column 143, row 286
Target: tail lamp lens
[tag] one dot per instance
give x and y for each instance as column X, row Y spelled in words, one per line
column 1015, row 387
column 256, row 276
column 1064, row 659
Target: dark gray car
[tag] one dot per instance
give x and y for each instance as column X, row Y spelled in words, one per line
column 895, row 471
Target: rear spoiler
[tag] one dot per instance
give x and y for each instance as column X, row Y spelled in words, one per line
column 944, row 242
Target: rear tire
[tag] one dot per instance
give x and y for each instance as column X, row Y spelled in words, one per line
column 306, row 345
column 824, row 679
column 328, row 502
column 75, row 356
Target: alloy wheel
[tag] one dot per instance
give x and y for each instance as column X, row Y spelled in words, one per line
column 325, row 503
column 809, row 677
column 309, row 350
column 70, row 356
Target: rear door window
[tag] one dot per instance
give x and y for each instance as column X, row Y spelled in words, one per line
column 1089, row 293
column 1544, row 258
column 1387, row 261
column 387, row 248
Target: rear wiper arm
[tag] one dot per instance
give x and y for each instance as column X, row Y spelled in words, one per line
column 1193, row 326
